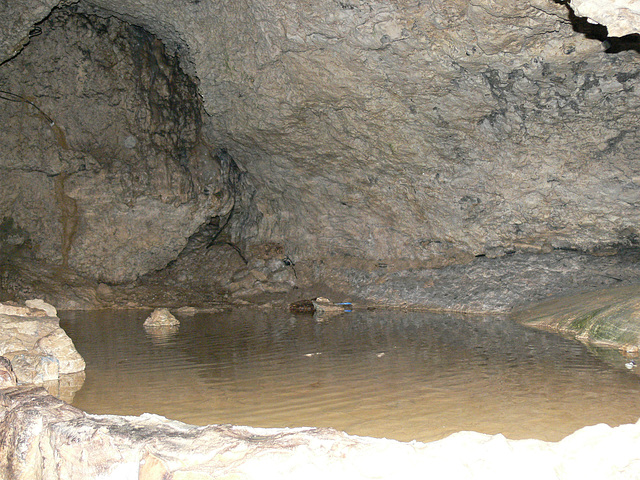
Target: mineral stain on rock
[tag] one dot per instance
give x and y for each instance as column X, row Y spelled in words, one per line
column 69, row 217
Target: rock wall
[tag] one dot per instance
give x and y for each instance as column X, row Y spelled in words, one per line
column 104, row 168
column 432, row 132
column 18, row 20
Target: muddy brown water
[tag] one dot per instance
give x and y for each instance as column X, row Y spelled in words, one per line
column 406, row 376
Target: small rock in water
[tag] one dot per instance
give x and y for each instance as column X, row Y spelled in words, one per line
column 302, row 306
column 187, row 311
column 161, row 317
column 324, row 306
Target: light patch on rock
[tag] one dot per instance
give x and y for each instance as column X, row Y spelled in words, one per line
column 40, row 304
column 621, row 17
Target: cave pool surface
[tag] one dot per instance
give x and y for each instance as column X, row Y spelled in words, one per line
column 400, row 375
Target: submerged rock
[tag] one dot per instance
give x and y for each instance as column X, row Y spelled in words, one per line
column 608, row 317
column 42, row 437
column 302, row 306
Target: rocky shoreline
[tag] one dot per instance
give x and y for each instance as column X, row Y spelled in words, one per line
column 42, row 437
column 38, row 351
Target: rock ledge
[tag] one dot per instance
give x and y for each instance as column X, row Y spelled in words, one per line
column 42, row 437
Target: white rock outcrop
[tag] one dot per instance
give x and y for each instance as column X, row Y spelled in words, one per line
column 621, row 17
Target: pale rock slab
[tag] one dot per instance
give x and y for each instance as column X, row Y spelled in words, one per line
column 621, row 17
column 38, row 348
column 19, row 310
column 40, row 304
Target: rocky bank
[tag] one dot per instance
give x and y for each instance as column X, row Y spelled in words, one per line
column 37, row 351
column 44, row 438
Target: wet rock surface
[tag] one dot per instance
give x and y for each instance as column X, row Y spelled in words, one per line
column 42, row 437
column 382, row 132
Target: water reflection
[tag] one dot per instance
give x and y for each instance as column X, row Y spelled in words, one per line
column 387, row 374
column 161, row 334
column 66, row 386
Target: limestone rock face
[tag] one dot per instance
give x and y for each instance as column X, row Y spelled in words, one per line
column 17, row 21
column 433, row 132
column 103, row 165
column 38, row 349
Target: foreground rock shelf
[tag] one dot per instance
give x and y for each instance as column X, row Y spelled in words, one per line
column 42, row 437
